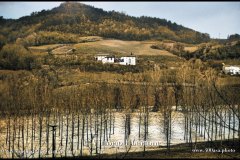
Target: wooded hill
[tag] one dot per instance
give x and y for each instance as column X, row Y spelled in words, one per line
column 73, row 19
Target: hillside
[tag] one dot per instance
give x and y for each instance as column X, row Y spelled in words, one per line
column 77, row 19
column 28, row 42
column 121, row 47
column 212, row 50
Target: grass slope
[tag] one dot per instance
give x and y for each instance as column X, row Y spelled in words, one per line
column 120, row 47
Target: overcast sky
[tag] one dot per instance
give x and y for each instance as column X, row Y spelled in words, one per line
column 219, row 19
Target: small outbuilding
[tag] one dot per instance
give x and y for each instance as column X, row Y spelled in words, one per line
column 230, row 69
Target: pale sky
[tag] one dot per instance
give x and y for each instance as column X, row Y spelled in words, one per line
column 219, row 19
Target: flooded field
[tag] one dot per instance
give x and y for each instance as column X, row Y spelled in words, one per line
column 76, row 134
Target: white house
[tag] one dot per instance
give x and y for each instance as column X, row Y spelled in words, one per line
column 99, row 57
column 105, row 58
column 128, row 60
column 108, row 59
column 233, row 70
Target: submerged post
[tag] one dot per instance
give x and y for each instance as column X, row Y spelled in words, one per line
column 53, row 139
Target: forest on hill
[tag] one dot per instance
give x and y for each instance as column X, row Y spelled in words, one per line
column 72, row 22
column 72, row 19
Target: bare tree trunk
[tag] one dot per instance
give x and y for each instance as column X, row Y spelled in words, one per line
column 61, row 141
column 40, row 135
column 113, row 124
column 23, row 147
column 216, row 126
column 87, row 127
column 196, row 128
column 234, row 122
column 101, row 125
column 225, row 120
column 19, row 131
column 53, row 141
column 13, row 137
column 66, row 144
column 126, row 130
column 200, row 124
column 83, row 128
column 229, row 124
column 185, row 121
column 110, row 125
column 96, row 131
column 47, row 132
column 170, row 129
column 9, row 133
column 59, row 123
column 27, row 132
column 238, row 125
column 32, row 138
column 205, row 124
column 104, row 128
column 209, row 126
column 212, row 125
column 190, row 127
column 91, row 135
column 145, row 133
column 106, row 125
column 78, row 132
column 72, row 149
column 139, row 124
column 186, row 126
column 221, row 126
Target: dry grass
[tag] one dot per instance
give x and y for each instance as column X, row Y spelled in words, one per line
column 217, row 46
column 229, row 80
column 39, row 53
column 61, row 50
column 8, row 72
column 44, row 47
column 78, row 77
column 170, row 45
column 90, row 38
column 57, row 49
column 191, row 49
column 120, row 47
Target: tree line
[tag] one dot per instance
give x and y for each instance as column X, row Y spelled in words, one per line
column 85, row 114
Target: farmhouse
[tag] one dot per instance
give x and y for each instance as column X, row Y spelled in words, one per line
column 232, row 70
column 127, row 60
column 105, row 58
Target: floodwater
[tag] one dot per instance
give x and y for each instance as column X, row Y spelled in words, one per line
column 111, row 139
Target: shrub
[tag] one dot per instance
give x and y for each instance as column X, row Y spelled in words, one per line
column 14, row 56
